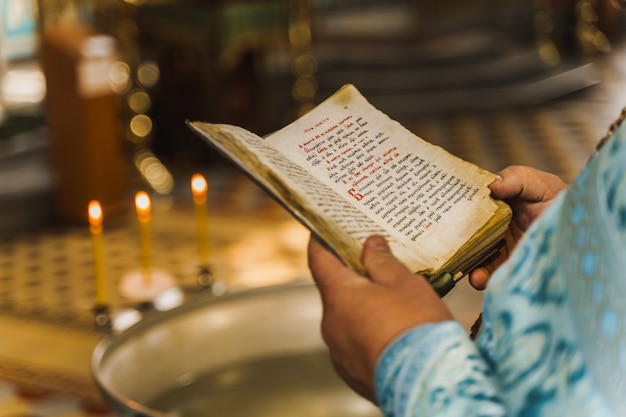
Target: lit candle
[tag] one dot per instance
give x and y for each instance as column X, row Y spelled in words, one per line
column 143, row 206
column 199, row 188
column 95, row 227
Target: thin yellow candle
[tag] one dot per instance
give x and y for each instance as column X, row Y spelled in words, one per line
column 95, row 227
column 143, row 207
column 199, row 188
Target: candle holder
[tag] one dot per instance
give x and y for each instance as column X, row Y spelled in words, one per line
column 102, row 318
column 207, row 281
column 205, row 277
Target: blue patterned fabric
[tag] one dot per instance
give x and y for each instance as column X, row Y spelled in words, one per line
column 553, row 337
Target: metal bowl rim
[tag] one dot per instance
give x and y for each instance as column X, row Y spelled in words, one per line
column 112, row 340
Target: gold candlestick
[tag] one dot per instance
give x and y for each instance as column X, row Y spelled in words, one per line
column 199, row 188
column 95, row 227
column 143, row 207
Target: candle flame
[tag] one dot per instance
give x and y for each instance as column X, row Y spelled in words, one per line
column 95, row 213
column 199, row 185
column 142, row 203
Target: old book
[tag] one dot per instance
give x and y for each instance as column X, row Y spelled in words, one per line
column 346, row 170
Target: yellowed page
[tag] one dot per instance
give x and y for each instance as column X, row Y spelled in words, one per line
column 427, row 200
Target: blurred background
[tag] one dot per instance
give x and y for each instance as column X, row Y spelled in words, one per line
column 94, row 96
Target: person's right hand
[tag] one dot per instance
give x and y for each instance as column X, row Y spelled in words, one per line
column 529, row 192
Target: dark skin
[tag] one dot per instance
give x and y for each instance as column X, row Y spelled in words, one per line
column 362, row 315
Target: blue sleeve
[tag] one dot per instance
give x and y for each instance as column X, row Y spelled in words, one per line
column 436, row 370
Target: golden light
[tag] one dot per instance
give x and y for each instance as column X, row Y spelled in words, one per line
column 95, row 213
column 148, row 74
column 153, row 171
column 139, row 101
column 142, row 203
column 119, row 76
column 140, row 125
column 199, row 186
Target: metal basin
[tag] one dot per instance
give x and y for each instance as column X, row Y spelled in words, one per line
column 254, row 353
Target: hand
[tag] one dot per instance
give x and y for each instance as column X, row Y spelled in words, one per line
column 361, row 316
column 529, row 192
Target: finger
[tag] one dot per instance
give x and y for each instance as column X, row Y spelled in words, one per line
column 526, row 183
column 325, row 267
column 381, row 265
column 508, row 182
column 479, row 277
column 519, row 181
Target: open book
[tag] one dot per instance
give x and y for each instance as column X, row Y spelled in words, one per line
column 346, row 171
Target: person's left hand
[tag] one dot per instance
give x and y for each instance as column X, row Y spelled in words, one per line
column 362, row 316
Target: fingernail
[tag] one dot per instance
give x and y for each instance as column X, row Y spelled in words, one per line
column 498, row 178
column 378, row 243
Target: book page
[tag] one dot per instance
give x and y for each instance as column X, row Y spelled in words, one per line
column 420, row 194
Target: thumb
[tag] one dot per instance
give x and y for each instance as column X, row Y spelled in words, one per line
column 526, row 183
column 381, row 265
column 479, row 277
